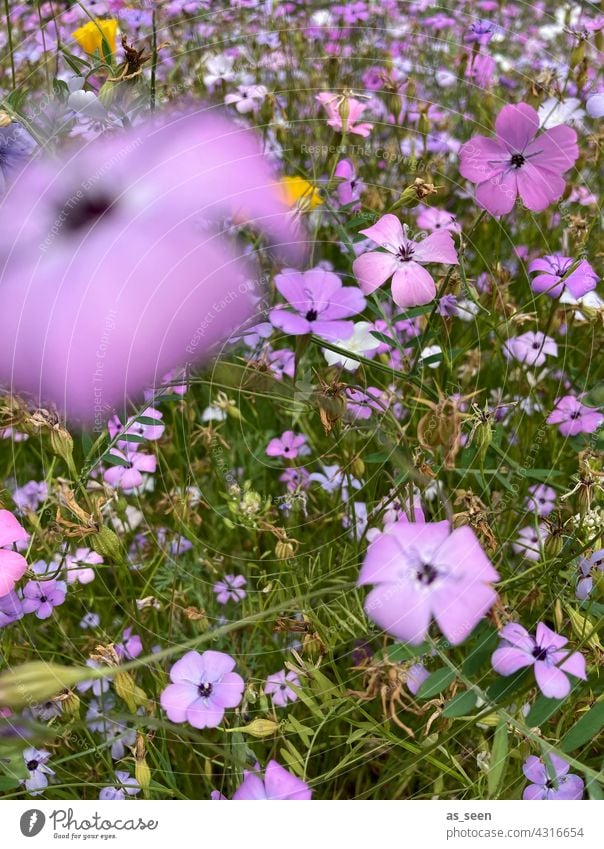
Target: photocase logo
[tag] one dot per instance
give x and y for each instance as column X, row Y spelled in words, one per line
column 32, row 822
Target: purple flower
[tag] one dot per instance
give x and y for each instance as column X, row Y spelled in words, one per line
column 519, row 650
column 98, row 686
column 203, row 686
column 588, row 568
column 30, row 495
column 432, row 219
column 416, row 675
column 403, row 259
column 277, row 784
column 480, row 32
column 131, row 647
column 10, row 609
column 560, row 786
column 517, row 161
column 541, row 500
column 350, row 187
column 573, row 417
column 332, row 105
column 530, row 348
column 425, row 570
column 320, row 303
column 41, row 597
column 136, row 428
column 125, row 784
column 78, row 566
column 36, row 765
column 553, row 278
column 16, row 148
column 529, row 542
column 288, row 445
column 247, row 98
column 230, row 589
column 12, row 564
column 282, row 362
column 295, row 478
column 277, row 687
column 128, row 474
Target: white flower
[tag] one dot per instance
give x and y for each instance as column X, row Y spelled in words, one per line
column 553, row 112
column 467, row 309
column 213, row 414
column 87, row 104
column 247, row 97
column 218, row 68
column 431, row 351
column 591, row 300
column 595, row 105
column 361, row 342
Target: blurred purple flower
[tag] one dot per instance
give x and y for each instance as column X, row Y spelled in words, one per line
column 541, row 499
column 277, row 784
column 230, row 588
column 530, row 348
column 588, row 568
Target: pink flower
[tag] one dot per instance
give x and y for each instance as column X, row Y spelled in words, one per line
column 320, row 303
column 332, row 105
column 519, row 649
column 277, row 784
column 573, row 417
column 541, row 499
column 277, row 687
column 518, row 161
column 530, row 348
column 529, row 542
column 128, row 475
column 403, row 260
column 432, row 219
column 78, row 566
column 204, row 685
column 288, row 445
column 554, row 279
column 134, row 427
column 247, row 98
column 12, row 565
column 230, row 588
column 421, row 570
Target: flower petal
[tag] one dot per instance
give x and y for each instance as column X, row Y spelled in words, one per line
column 412, row 285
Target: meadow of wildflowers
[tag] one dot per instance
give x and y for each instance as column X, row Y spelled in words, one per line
column 301, row 400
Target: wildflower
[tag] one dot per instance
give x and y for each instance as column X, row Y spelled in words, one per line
column 544, row 652
column 12, row 565
column 530, row 348
column 541, row 499
column 416, row 675
column 230, row 588
column 36, row 764
column 559, row 787
column 203, row 685
column 11, row 608
column 349, row 187
column 128, row 475
column 16, row 148
column 361, row 342
column 91, row 35
column 595, row 105
column 288, row 445
column 98, row 686
column 517, row 161
column 403, row 260
column 277, row 784
column 78, row 566
column 431, row 355
column 41, row 597
column 30, row 495
column 299, row 192
column 573, row 417
column 320, row 303
column 126, row 784
column 277, row 687
column 247, row 98
column 433, row 219
column 421, row 570
column 219, row 69
column 135, row 427
column 335, row 105
column 554, row 278
column 295, row 478
column 131, row 646
column 282, row 362
column 90, row 620
column 589, row 569
column 530, row 541
column 553, row 112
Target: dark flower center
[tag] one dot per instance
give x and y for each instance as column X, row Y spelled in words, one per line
column 426, row 574
column 88, row 210
column 283, row 686
column 205, row 690
column 405, row 252
column 43, row 599
column 517, row 160
column 576, row 414
column 539, row 653
column 312, row 315
column 32, row 765
column 536, row 346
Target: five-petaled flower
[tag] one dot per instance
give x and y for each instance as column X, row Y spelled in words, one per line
column 557, row 786
column 203, row 686
column 573, row 417
column 277, row 784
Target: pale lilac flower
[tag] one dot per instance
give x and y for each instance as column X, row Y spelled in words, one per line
column 447, row 306
column 10, row 608
column 295, row 477
column 78, row 566
column 98, row 686
column 41, row 597
column 277, row 687
column 559, row 787
column 334, row 478
column 288, row 445
column 480, row 32
column 16, row 149
column 277, row 784
column 530, row 541
column 349, row 188
column 203, row 685
column 230, row 588
column 12, row 565
column 554, row 280
column 595, row 105
column 361, row 342
column 360, row 404
column 282, row 362
column 320, row 302
column 543, row 652
column 134, row 427
column 351, row 125
column 90, row 620
column 126, row 784
column 518, row 161
column 416, row 675
column 30, row 495
column 431, row 355
column 36, row 764
column 425, row 570
column 218, row 69
column 131, row 646
column 589, row 569
column 247, row 98
column 530, row 348
column 403, row 259
column 573, row 417
column 553, row 112
column 433, row 219
column 129, row 475
column 541, row 499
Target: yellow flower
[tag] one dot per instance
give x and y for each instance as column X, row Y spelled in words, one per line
column 90, row 36
column 297, row 190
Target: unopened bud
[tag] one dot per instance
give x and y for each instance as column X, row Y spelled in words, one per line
column 107, row 544
column 126, row 688
column 284, row 549
column 259, row 728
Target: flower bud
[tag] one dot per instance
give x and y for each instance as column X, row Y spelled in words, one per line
column 259, row 728
column 583, row 627
column 284, row 549
column 126, row 688
column 107, row 544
